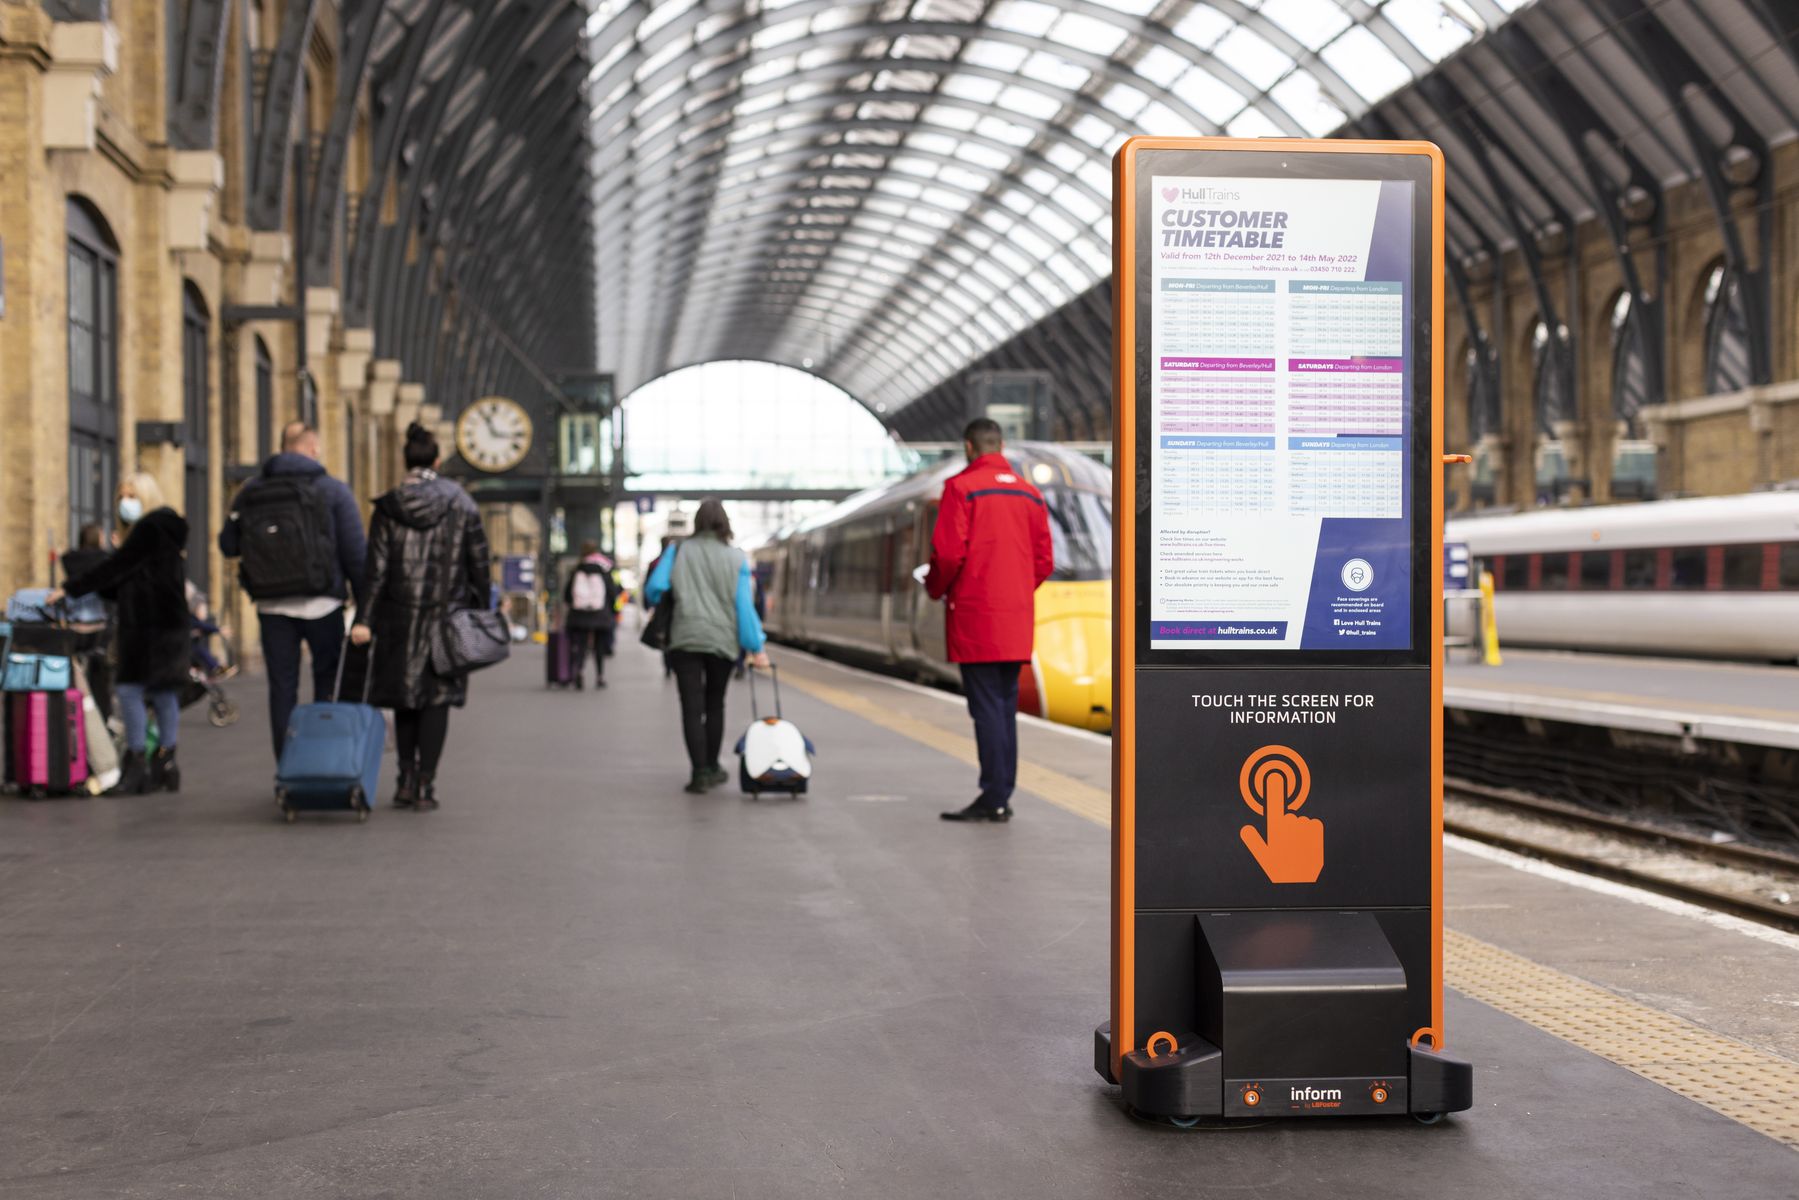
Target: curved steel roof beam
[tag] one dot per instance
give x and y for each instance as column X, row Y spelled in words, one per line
column 383, row 160
column 954, row 235
column 751, row 189
column 740, row 207
column 1131, row 25
column 447, row 224
column 724, row 146
column 806, row 153
column 503, row 91
column 724, row 299
column 979, row 301
column 1107, row 68
column 752, row 338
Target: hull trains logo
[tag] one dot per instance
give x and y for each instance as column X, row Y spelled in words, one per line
column 1200, row 195
column 1275, row 782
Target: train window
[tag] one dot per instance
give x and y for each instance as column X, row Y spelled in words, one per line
column 1515, row 575
column 1080, row 527
column 1743, row 568
column 1689, row 568
column 1595, row 570
column 1639, row 568
column 1554, row 577
column 1789, row 565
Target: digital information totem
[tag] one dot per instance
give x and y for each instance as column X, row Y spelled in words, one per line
column 1277, row 753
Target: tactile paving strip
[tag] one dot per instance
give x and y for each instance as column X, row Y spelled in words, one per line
column 1059, row 789
column 1758, row 1089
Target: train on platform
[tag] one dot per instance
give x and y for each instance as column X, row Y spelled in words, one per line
column 1716, row 577
column 845, row 583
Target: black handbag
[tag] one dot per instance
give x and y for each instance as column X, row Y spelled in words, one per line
column 470, row 639
column 659, row 630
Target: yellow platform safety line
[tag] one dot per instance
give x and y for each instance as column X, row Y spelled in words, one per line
column 1750, row 1086
column 1061, row 790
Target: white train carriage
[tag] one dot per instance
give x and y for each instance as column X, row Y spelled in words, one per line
column 1716, row 577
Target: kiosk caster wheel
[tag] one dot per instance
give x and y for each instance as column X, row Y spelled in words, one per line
column 1427, row 1118
column 1184, row 1122
column 288, row 815
column 359, row 805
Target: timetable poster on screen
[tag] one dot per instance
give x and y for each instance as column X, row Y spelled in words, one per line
column 1281, row 411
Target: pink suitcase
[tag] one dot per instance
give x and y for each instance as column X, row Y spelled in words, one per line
column 46, row 741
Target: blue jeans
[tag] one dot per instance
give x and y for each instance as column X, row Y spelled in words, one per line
column 168, row 714
column 992, row 692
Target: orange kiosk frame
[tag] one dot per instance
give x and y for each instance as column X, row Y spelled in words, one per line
column 1278, row 303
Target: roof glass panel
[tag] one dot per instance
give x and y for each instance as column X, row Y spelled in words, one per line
column 1023, row 16
column 1431, row 25
column 1088, row 34
column 1364, row 61
column 1251, row 56
column 1312, row 23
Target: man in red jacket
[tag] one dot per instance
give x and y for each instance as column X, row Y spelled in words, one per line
column 990, row 551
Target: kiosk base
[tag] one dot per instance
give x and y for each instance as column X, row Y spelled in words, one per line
column 1298, row 1013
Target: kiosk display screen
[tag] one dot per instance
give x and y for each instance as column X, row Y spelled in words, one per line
column 1279, row 356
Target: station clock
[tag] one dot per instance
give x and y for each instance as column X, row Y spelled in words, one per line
column 494, row 434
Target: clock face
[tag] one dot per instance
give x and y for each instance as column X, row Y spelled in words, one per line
column 494, row 434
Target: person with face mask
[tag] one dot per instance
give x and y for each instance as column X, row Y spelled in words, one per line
column 144, row 579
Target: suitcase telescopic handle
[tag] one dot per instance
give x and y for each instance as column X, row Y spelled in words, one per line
column 755, row 709
column 368, row 670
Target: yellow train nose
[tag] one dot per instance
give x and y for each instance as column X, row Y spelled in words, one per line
column 1074, row 653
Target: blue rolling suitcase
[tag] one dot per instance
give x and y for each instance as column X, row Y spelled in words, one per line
column 331, row 760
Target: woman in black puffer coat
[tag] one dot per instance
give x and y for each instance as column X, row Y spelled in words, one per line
column 427, row 556
column 146, row 580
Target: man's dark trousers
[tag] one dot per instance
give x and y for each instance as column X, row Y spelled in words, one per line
column 992, row 691
column 281, row 638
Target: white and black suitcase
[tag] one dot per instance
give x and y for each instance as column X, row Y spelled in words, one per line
column 773, row 755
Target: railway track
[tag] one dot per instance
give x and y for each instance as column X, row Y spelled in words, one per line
column 1746, row 881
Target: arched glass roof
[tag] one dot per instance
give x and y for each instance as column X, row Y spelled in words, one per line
column 883, row 192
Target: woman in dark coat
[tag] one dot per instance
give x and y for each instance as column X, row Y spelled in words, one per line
column 427, row 556
column 145, row 580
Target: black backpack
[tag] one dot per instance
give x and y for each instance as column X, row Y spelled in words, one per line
column 285, row 539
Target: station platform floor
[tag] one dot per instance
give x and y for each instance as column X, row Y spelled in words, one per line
column 1749, row 702
column 576, row 980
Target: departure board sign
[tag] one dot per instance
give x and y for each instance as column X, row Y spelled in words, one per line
column 1280, row 336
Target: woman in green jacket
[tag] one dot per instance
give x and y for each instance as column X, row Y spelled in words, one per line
column 715, row 617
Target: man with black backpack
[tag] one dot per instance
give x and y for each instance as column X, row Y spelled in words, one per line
column 297, row 534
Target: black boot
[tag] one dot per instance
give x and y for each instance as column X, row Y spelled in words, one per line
column 165, row 773
column 134, row 775
column 427, row 793
column 407, row 793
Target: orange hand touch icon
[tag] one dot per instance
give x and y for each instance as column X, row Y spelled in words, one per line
column 1275, row 781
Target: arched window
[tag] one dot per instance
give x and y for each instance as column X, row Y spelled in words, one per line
column 196, row 393
column 93, row 313
column 1726, row 333
column 1633, row 454
column 265, row 402
column 1552, row 408
column 1630, row 370
column 1483, row 409
column 1551, row 396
